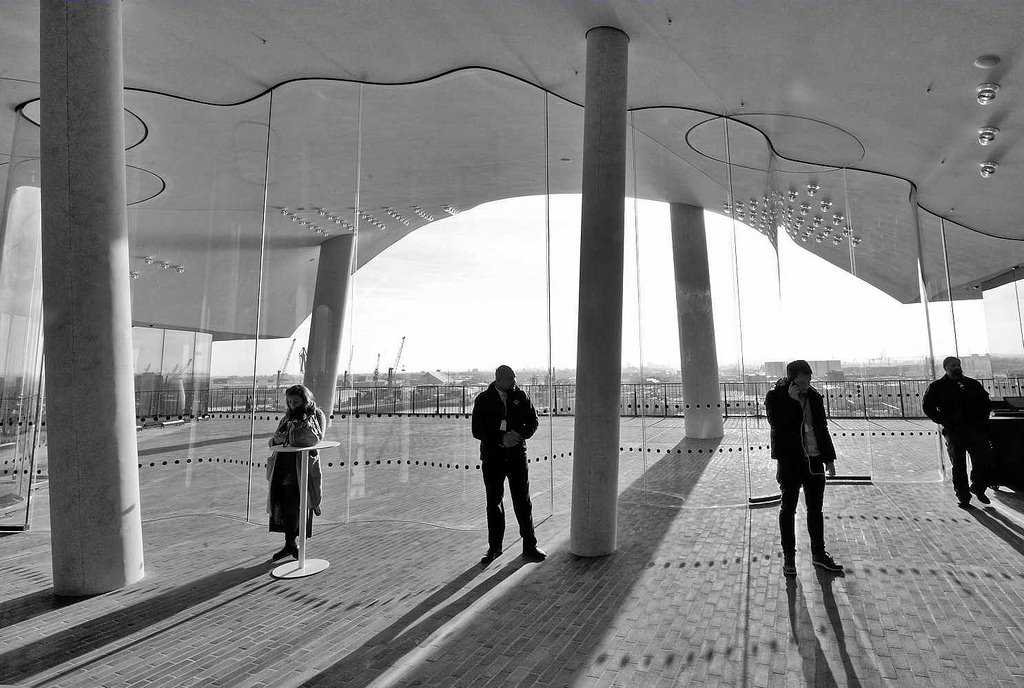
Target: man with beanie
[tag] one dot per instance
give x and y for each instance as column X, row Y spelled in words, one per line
column 803, row 450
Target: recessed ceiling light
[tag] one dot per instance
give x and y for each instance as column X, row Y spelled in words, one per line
column 988, row 168
column 987, row 93
column 987, row 61
column 987, row 135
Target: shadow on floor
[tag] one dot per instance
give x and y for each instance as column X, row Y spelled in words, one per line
column 19, row 609
column 594, row 589
column 1004, row 528
column 412, row 628
column 92, row 634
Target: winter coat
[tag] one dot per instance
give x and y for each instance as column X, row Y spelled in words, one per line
column 957, row 404
column 291, row 433
column 786, row 417
column 488, row 412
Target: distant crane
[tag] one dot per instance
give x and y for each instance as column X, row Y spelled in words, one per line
column 376, row 370
column 285, row 364
column 393, row 370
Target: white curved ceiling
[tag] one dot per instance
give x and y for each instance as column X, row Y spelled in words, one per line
column 887, row 88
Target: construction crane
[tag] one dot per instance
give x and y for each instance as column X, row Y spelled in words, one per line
column 285, row 364
column 376, row 370
column 393, row 370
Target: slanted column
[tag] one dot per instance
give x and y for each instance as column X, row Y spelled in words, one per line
column 595, row 469
column 95, row 518
column 699, row 359
column 323, row 353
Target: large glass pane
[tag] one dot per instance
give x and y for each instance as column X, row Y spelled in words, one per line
column 22, row 433
column 312, row 191
column 451, row 222
column 196, row 183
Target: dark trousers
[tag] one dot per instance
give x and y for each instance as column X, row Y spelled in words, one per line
column 792, row 476
column 498, row 465
column 973, row 441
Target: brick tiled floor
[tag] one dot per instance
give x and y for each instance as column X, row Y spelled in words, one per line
column 931, row 596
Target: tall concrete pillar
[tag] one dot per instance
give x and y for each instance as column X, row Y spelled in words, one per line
column 595, row 469
column 323, row 352
column 701, row 391
column 95, row 518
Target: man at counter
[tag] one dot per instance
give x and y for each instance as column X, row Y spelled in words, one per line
column 961, row 406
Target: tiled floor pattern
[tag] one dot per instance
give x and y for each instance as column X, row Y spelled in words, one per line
column 932, row 595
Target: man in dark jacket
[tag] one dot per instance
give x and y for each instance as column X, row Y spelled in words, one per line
column 803, row 450
column 503, row 419
column 961, row 406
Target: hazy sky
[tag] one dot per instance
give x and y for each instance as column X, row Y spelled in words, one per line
column 470, row 291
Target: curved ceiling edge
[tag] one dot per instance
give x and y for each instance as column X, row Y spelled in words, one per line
column 523, row 80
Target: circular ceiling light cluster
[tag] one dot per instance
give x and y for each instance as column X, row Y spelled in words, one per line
column 802, row 225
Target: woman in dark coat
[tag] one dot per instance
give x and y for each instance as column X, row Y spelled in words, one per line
column 303, row 425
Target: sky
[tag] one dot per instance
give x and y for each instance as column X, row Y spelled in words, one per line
column 471, row 291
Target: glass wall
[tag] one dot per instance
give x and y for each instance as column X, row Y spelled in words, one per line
column 458, row 199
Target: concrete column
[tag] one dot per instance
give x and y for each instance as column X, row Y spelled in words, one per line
column 95, row 519
column 323, row 352
column 699, row 360
column 595, row 469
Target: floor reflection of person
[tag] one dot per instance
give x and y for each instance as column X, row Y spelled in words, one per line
column 803, row 450
column 961, row 406
column 503, row 419
column 303, row 425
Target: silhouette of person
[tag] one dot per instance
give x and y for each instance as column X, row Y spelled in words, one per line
column 961, row 406
column 503, row 419
column 803, row 450
column 302, row 360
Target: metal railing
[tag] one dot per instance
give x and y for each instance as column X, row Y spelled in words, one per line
column 898, row 398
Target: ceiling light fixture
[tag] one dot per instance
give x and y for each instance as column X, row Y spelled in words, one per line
column 792, row 194
column 452, row 210
column 180, row 269
column 987, row 135
column 420, row 212
column 988, row 168
column 134, row 274
column 987, row 61
column 987, row 93
column 149, row 260
column 812, row 189
column 165, row 265
column 825, row 205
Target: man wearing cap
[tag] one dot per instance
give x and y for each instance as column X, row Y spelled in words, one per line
column 503, row 419
column 961, row 406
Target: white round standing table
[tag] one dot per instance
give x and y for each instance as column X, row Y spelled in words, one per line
column 302, row 567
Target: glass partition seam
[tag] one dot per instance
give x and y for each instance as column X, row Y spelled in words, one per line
column 849, row 223
column 739, row 303
column 922, row 278
column 639, row 314
column 352, row 293
column 549, row 402
column 949, row 283
column 1020, row 319
column 35, row 441
column 259, row 303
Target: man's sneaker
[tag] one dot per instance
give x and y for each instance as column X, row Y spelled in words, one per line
column 823, row 560
column 982, row 497
column 534, row 554
column 492, row 554
column 789, row 565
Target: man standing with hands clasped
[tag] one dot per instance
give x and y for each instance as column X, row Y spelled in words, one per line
column 503, row 419
column 961, row 406
column 802, row 447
